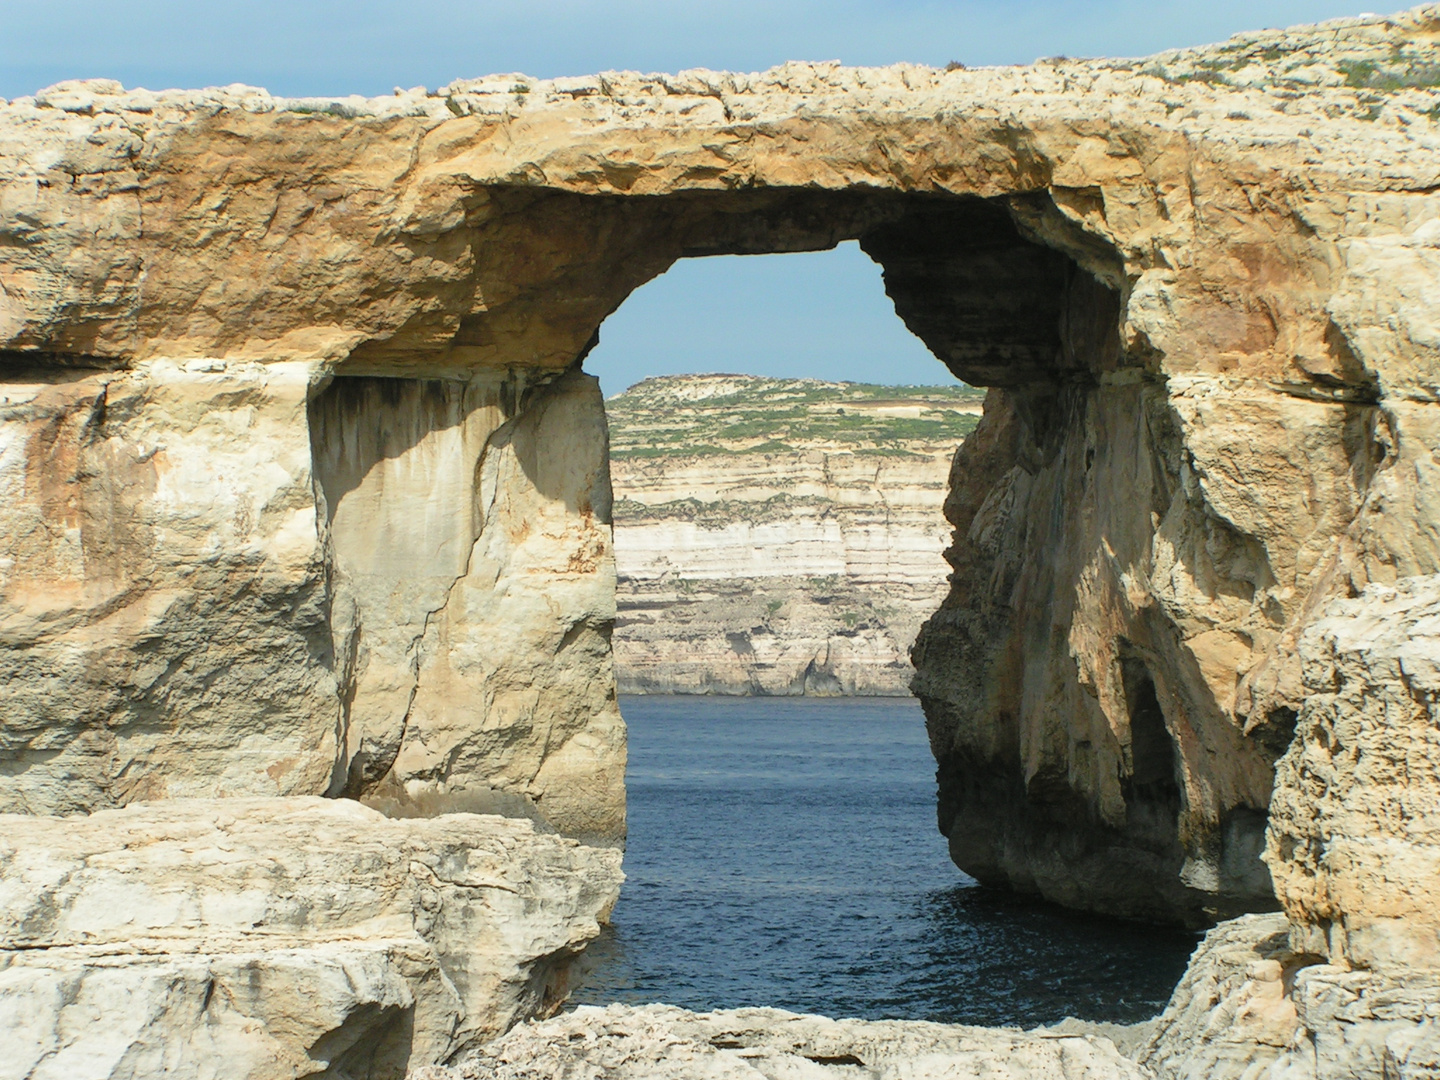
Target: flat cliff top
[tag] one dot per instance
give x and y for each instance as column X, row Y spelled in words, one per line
column 680, row 416
column 1383, row 71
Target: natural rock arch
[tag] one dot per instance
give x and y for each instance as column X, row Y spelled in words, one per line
column 251, row 338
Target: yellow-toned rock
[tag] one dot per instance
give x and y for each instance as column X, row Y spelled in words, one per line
column 1354, row 839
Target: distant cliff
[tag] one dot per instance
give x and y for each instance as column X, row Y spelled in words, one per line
column 778, row 536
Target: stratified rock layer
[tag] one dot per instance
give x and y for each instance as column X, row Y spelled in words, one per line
column 1200, row 287
column 660, row 1042
column 778, row 536
column 278, row 938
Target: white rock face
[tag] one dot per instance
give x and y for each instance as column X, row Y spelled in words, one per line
column 1249, row 1008
column 1354, row 837
column 660, row 1042
column 162, row 588
column 245, row 579
column 474, row 588
column 279, row 938
column 826, row 597
column 1201, row 286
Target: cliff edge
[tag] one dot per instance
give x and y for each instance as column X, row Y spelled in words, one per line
column 778, row 536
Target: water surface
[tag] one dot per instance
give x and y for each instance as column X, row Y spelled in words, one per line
column 783, row 851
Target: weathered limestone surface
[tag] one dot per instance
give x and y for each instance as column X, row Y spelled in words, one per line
column 1354, row 840
column 233, row 579
column 1201, row 287
column 304, row 492
column 161, row 561
column 1250, row 1008
column 276, row 938
column 1346, row 983
column 660, row 1042
column 472, row 594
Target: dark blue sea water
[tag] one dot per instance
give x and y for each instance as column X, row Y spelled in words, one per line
column 783, row 851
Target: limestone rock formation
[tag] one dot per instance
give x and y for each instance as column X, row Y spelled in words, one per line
column 236, row 579
column 277, row 938
column 1354, row 839
column 242, row 335
column 304, row 491
column 778, row 536
column 660, row 1042
column 1250, row 1008
column 1346, row 983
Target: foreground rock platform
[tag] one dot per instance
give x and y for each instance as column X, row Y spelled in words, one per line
column 661, row 1042
column 268, row 939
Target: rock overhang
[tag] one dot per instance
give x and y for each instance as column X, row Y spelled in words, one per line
column 382, row 197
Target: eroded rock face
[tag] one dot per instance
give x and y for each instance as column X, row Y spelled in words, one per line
column 1201, row 287
column 233, row 579
column 1354, row 840
column 271, row 938
column 472, row 593
column 162, row 560
column 778, row 536
column 1251, row 1008
column 661, row 1042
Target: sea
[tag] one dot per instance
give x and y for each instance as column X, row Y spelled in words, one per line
column 784, row 852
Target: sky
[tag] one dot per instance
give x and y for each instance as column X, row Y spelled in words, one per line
column 822, row 315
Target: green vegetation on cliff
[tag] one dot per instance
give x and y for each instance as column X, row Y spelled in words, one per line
column 706, row 415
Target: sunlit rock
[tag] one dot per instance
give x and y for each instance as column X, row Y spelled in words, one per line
column 272, row 938
column 1252, row 1008
column 778, row 536
column 1200, row 288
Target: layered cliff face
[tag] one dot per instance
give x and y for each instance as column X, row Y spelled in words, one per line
column 304, row 491
column 778, row 536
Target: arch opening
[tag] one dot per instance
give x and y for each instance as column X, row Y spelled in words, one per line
column 1152, row 786
column 431, row 709
column 1076, row 454
column 736, row 806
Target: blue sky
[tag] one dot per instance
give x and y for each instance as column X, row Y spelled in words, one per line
column 304, row 47
column 821, row 314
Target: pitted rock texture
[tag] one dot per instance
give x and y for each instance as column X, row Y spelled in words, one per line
column 1354, row 840
column 1201, row 287
column 660, row 1042
column 276, row 938
column 1250, row 1008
